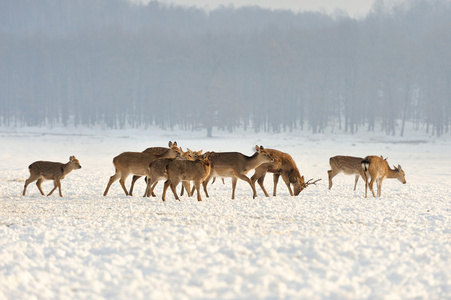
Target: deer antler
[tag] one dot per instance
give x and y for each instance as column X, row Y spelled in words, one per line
column 309, row 182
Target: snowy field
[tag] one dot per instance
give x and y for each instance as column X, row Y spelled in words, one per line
column 322, row 244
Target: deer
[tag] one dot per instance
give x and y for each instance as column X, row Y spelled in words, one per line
column 236, row 165
column 185, row 171
column 47, row 170
column 158, row 151
column 282, row 165
column 377, row 169
column 158, row 172
column 136, row 163
column 348, row 165
column 190, row 155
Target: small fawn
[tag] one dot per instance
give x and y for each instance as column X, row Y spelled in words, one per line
column 47, row 170
column 377, row 169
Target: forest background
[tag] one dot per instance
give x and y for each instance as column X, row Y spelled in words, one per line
column 117, row 64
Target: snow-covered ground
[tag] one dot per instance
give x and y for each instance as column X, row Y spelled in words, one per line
column 323, row 244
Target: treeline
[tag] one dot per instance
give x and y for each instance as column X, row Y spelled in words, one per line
column 119, row 64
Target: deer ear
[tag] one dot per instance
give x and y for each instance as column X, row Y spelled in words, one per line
column 170, row 144
column 399, row 167
column 174, row 144
column 72, row 158
column 257, row 149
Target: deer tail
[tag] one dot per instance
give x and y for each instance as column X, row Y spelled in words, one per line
column 365, row 164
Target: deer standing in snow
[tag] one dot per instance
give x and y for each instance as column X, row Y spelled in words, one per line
column 185, row 171
column 348, row 165
column 157, row 151
column 47, row 170
column 136, row 163
column 282, row 165
column 377, row 169
column 236, row 165
column 158, row 171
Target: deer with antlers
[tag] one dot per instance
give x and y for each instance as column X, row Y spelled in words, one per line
column 377, row 169
column 282, row 165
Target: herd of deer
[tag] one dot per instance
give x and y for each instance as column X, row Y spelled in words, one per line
column 175, row 166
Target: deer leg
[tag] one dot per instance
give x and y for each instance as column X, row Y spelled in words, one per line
column 38, row 184
column 122, row 182
column 173, row 185
column 234, row 180
column 356, row 179
column 149, row 187
column 371, row 187
column 151, row 190
column 286, row 179
column 204, row 184
column 146, row 179
column 55, row 185
column 366, row 185
column 331, row 175
column 379, row 187
column 113, row 178
column 260, row 183
column 135, row 178
column 165, row 188
column 58, row 183
column 275, row 178
column 182, row 190
column 186, row 186
column 197, row 186
column 28, row 181
column 245, row 178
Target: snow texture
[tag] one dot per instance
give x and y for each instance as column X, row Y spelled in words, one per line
column 322, row 244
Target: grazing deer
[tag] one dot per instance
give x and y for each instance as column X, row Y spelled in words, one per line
column 377, row 169
column 348, row 165
column 47, row 170
column 185, row 171
column 136, row 163
column 283, row 165
column 236, row 165
column 160, row 152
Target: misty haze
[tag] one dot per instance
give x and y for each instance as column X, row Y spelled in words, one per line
column 119, row 65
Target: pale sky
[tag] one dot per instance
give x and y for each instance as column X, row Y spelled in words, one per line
column 355, row 8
